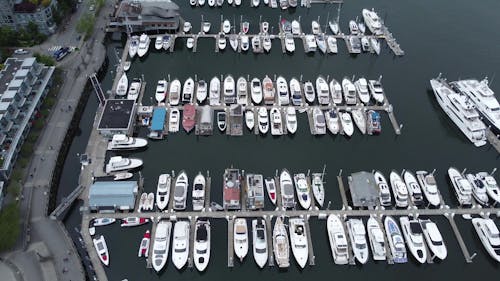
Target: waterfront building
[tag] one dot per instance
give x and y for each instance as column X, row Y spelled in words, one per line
column 364, row 190
column 112, row 195
column 19, row 13
column 117, row 117
column 23, row 85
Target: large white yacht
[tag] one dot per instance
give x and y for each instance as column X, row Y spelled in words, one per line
column 461, row 111
column 180, row 191
column 161, row 244
column 287, row 192
column 214, row 92
column 302, row 188
column 357, row 234
column 180, row 244
column 372, row 21
column 298, row 240
column 118, row 163
column 385, row 197
column 338, row 239
column 489, row 236
column 414, row 237
column 276, row 122
column 377, row 240
column 462, row 187
column 429, row 187
column 201, row 244
column 349, row 91
column 318, row 188
column 198, row 194
column 399, row 190
column 322, row 90
column 240, row 238
column 414, row 189
column 163, row 191
column 281, row 246
column 229, row 90
column 335, row 91
column 434, row 239
column 319, row 121
column 143, row 45
column 263, row 119
column 260, row 251
column 395, row 240
column 161, row 90
column 256, row 90
column 291, row 119
column 362, row 88
column 478, row 189
column 483, row 97
column 491, row 186
column 174, row 93
column 123, row 142
column 282, row 87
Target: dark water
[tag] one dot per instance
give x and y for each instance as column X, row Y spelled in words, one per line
column 457, row 38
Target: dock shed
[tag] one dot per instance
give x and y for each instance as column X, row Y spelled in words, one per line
column 364, row 190
column 117, row 117
column 158, row 123
column 112, row 195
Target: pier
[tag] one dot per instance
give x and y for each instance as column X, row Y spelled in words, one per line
column 230, row 238
column 207, row 191
column 192, row 223
column 149, row 263
column 269, row 236
column 463, row 247
column 342, row 190
column 311, row 256
column 493, row 139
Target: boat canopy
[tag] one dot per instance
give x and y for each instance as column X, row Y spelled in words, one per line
column 158, row 121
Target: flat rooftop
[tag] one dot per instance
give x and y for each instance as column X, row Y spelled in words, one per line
column 117, row 114
column 364, row 190
column 7, row 74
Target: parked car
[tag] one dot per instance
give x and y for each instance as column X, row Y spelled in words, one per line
column 20, row 52
column 92, row 7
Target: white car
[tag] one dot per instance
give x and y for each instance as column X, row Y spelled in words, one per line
column 20, row 52
column 92, row 7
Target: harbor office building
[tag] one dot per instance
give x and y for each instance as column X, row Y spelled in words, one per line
column 24, row 83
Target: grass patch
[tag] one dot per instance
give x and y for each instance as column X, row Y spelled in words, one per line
column 9, row 226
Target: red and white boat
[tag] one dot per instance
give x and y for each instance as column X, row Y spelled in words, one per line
column 144, row 247
column 188, row 117
column 133, row 221
column 101, row 249
column 245, row 26
column 271, row 189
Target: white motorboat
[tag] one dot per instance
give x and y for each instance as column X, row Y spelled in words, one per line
column 134, row 89
column 123, row 142
column 349, row 91
column 318, row 188
column 220, row 2
column 259, row 237
column 180, row 191
column 271, row 189
column 315, row 28
column 256, row 44
column 376, row 90
column 319, row 121
column 384, row 192
column 201, row 91
column 255, row 3
column 268, row 90
column 250, row 119
column 188, row 91
column 205, row 26
column 298, row 240
column 133, row 221
column 292, row 3
column 362, row 89
column 180, row 244
column 256, row 90
column 282, row 87
column 144, row 246
column 399, row 190
column 357, row 234
column 309, row 92
column 334, row 27
column 126, row 66
column 245, row 27
column 287, row 192
column 222, row 42
column 122, row 176
column 163, row 191
column 478, row 189
column 289, row 43
column 122, row 86
column 377, row 240
column 201, row 2
column 242, row 91
column 134, row 45
column 245, row 43
column 336, row 92
column 226, row 26
column 150, row 202
column 214, row 94
column 229, row 90
column 332, row 121
column 322, row 91
column 198, row 194
column 161, row 90
column 365, row 44
column 291, row 120
column 321, row 42
column 193, row 2
column 359, row 117
column 161, row 244
column 201, row 244
column 311, row 46
column 295, row 27
column 489, row 235
column 276, row 122
column 144, row 42
column 263, row 120
column 302, row 188
column 372, row 21
column 346, row 122
column 119, row 163
column 233, row 42
column 353, row 27
column 338, row 239
column 264, row 27
column 429, row 187
column 331, row 42
column 143, row 202
column 174, row 93
column 221, row 121
column 395, row 240
column 414, row 237
column 240, row 238
column 461, row 111
column 211, row 3
column 174, row 120
column 491, row 186
column 102, row 249
column 103, row 221
column 281, row 246
column 166, row 42
column 158, row 42
column 483, row 97
column 375, row 44
column 462, row 187
column 295, row 92
column 266, row 43
column 187, row 27
column 414, row 189
column 283, row 4
column 190, row 43
column 434, row 239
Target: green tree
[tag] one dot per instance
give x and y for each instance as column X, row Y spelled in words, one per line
column 86, row 24
column 47, row 60
column 8, row 36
